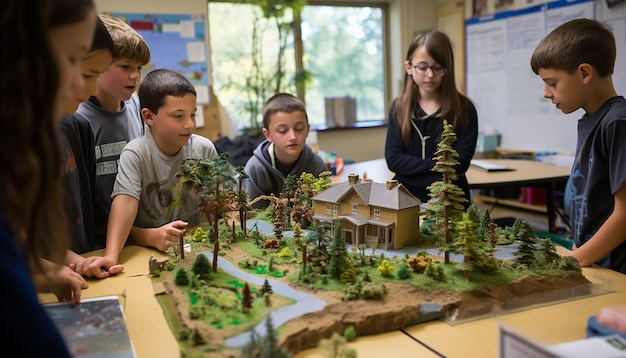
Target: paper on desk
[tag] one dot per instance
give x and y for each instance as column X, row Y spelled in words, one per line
column 558, row 160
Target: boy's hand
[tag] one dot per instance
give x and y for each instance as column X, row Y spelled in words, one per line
column 168, row 235
column 97, row 266
column 64, row 283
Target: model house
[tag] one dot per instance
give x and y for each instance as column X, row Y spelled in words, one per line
column 380, row 215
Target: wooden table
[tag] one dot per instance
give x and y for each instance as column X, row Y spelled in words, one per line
column 148, row 329
column 526, row 173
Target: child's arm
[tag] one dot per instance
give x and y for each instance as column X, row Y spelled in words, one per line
column 159, row 237
column 123, row 213
column 610, row 235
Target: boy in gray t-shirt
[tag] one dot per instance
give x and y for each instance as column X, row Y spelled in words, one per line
column 146, row 192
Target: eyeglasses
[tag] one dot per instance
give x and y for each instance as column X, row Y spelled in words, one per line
column 423, row 70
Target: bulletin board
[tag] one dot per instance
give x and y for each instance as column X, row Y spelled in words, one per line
column 507, row 94
column 176, row 42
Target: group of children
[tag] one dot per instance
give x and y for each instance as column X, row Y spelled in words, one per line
column 88, row 135
column 120, row 178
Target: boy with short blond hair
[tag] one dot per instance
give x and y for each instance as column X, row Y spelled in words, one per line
column 284, row 151
column 114, row 113
column 576, row 62
column 148, row 202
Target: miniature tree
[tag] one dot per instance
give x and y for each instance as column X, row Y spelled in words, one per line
column 336, row 347
column 446, row 203
column 349, row 333
column 279, row 218
column 196, row 338
column 385, row 269
column 467, row 242
column 297, row 233
column 214, row 181
column 246, row 298
column 525, row 253
column 349, row 273
column 547, row 254
column 338, row 252
column 485, row 227
column 404, row 272
column 181, row 278
column 492, row 235
column 266, row 288
column 201, row 266
column 242, row 198
column 199, row 235
column 270, row 348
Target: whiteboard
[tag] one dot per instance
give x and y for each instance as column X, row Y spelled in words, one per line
column 508, row 95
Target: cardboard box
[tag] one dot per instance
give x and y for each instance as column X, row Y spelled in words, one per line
column 340, row 111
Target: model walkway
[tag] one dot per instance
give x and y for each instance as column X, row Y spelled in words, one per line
column 305, row 303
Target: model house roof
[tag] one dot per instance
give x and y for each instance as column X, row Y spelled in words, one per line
column 391, row 195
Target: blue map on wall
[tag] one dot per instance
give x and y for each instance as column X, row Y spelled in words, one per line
column 177, row 42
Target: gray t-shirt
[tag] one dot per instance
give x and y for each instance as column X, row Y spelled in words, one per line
column 112, row 131
column 149, row 175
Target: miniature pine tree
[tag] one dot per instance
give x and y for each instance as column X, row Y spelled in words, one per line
column 525, row 253
column 338, row 252
column 196, row 338
column 266, row 288
column 349, row 273
column 446, row 203
column 467, row 242
column 201, row 266
column 270, row 348
column 547, row 253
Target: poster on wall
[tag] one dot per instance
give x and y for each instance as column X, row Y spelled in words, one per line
column 508, row 95
column 177, row 42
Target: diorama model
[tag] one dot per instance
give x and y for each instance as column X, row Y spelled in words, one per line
column 272, row 283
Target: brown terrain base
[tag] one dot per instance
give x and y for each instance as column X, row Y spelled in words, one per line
column 399, row 307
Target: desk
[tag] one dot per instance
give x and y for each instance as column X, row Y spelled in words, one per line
column 148, row 329
column 526, row 173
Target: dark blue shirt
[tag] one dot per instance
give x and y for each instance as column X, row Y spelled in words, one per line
column 28, row 329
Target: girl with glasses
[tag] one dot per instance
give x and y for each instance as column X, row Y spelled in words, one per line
column 416, row 117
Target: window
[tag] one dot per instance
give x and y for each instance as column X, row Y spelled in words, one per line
column 331, row 209
column 355, row 209
column 342, row 53
column 376, row 213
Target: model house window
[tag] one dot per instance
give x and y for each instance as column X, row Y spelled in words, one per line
column 376, row 213
column 355, row 209
column 334, row 50
column 331, row 209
